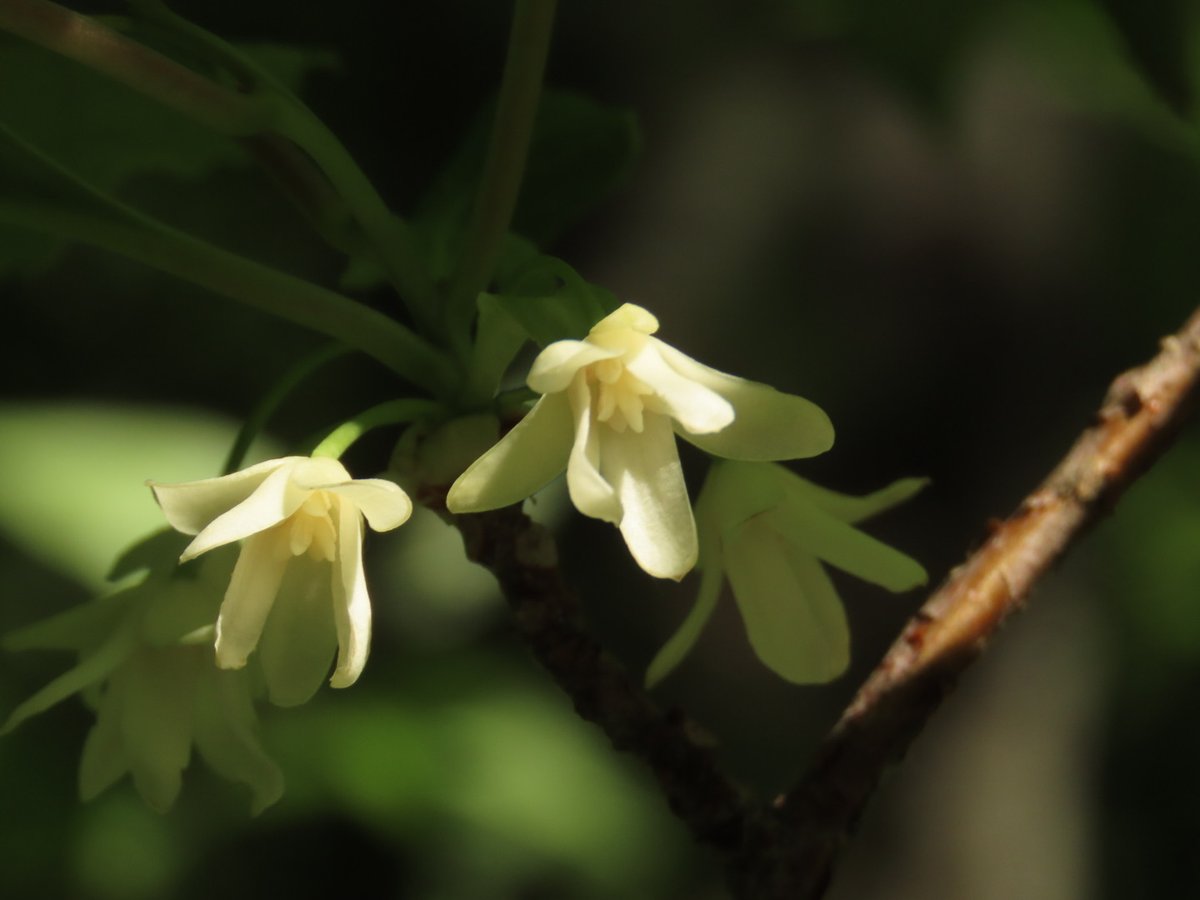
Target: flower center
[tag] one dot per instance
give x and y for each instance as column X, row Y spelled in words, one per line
column 620, row 397
column 310, row 529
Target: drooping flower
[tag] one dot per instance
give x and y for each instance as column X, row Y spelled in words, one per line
column 146, row 670
column 767, row 531
column 297, row 592
column 611, row 406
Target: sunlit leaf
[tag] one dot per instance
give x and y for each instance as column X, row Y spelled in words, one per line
column 74, row 476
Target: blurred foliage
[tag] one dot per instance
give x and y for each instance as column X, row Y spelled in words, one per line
column 949, row 224
column 106, row 134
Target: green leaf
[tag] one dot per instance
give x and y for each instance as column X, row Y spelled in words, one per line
column 106, row 133
column 548, row 300
column 1161, row 37
column 150, row 553
column 581, row 151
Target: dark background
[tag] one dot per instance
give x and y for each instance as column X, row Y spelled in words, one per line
column 949, row 224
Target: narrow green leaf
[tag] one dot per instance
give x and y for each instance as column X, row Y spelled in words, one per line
column 581, row 151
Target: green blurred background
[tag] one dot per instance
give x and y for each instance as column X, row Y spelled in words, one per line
column 950, row 224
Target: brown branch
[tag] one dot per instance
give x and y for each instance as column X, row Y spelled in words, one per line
column 793, row 853
column 522, row 555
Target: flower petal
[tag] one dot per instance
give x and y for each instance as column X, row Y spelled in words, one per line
column 523, row 461
column 848, row 508
column 226, row 736
column 556, row 366
column 181, row 606
column 698, row 409
column 192, row 505
column 793, row 617
column 768, row 424
column 657, row 521
column 680, row 644
column 103, row 760
column 76, row 628
column 298, row 639
column 248, row 600
column 628, row 315
column 826, row 537
column 156, row 721
column 383, row 502
column 92, row 668
column 317, row 473
column 590, row 491
column 352, row 605
column 275, row 498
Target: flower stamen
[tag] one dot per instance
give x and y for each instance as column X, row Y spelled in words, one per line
column 619, row 395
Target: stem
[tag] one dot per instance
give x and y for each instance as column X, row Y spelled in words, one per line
column 300, row 180
column 248, row 116
column 394, row 412
column 301, row 125
column 383, row 229
column 504, row 167
column 522, row 556
column 254, row 284
column 98, row 47
column 273, row 399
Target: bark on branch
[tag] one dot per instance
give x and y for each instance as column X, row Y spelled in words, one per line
column 523, row 557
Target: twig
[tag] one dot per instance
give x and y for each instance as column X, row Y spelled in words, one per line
column 1143, row 408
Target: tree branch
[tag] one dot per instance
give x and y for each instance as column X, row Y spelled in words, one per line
column 1136, row 423
column 523, row 557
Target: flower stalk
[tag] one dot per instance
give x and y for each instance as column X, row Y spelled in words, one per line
column 286, row 296
column 504, row 167
column 394, row 412
column 256, row 117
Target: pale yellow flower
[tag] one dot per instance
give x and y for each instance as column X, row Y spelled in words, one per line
column 611, row 406
column 769, row 533
column 298, row 590
column 153, row 686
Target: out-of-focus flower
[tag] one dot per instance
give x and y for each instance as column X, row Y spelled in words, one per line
column 145, row 666
column 611, row 406
column 768, row 530
column 298, row 584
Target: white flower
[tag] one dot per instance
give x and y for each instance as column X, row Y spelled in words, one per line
column 611, row 407
column 298, row 583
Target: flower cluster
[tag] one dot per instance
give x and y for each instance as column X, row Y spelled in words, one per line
column 175, row 661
